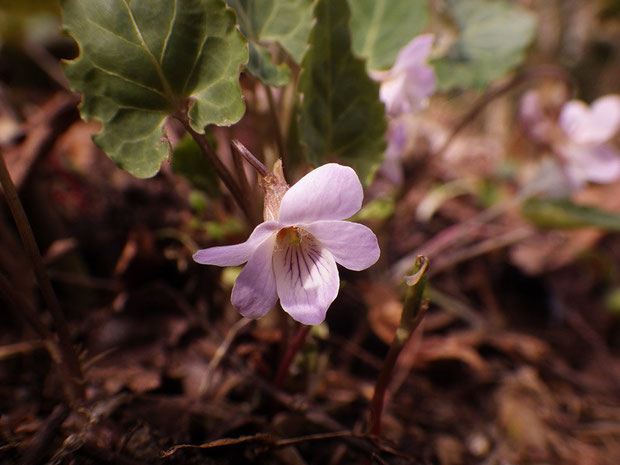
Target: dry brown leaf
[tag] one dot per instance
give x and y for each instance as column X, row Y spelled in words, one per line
column 384, row 309
column 136, row 378
column 452, row 347
column 523, row 407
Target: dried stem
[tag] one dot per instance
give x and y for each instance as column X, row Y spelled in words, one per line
column 219, row 167
column 69, row 356
column 293, row 349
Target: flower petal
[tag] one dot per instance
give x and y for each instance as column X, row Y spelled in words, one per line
column 353, row 245
column 591, row 125
column 415, row 53
column 254, row 292
column 599, row 163
column 533, row 117
column 330, row 192
column 233, row 255
column 392, row 94
column 306, row 278
column 421, row 82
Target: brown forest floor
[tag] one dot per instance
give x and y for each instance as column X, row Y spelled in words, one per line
column 516, row 362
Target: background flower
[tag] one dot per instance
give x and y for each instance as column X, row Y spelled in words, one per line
column 580, row 135
column 588, row 130
column 408, row 84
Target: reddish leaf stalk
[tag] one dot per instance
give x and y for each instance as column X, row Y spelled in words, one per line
column 276, row 121
column 414, row 310
column 231, row 184
column 251, row 159
column 70, row 360
column 293, row 349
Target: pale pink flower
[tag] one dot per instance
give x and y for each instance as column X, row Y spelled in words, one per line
column 294, row 257
column 588, row 130
column 392, row 168
column 407, row 85
column 532, row 114
column 580, row 136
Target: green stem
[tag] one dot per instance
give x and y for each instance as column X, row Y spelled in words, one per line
column 69, row 356
column 414, row 310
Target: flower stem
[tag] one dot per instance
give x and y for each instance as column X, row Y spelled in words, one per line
column 69, row 357
column 293, row 349
column 276, row 122
column 414, row 310
column 251, row 159
column 219, row 167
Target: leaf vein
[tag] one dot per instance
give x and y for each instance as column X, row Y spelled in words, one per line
column 126, row 79
column 268, row 19
column 160, row 72
column 174, row 17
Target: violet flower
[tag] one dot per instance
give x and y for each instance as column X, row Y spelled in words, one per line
column 580, row 136
column 293, row 257
column 407, row 85
column 588, row 130
column 392, row 168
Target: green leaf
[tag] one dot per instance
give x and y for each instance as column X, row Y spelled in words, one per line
column 378, row 209
column 341, row 115
column 262, row 67
column 287, row 22
column 612, row 300
column 189, row 161
column 564, row 214
column 380, row 28
column 141, row 60
column 493, row 37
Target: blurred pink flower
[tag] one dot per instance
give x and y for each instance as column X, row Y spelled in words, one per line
column 588, row 129
column 532, row 114
column 408, row 84
column 294, row 257
column 392, row 167
column 580, row 136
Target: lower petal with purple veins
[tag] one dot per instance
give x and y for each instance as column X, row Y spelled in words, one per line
column 306, row 277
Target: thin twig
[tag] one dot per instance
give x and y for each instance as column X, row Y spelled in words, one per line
column 493, row 93
column 69, row 356
column 221, row 351
column 481, row 248
column 45, row 435
column 276, row 443
column 451, row 236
